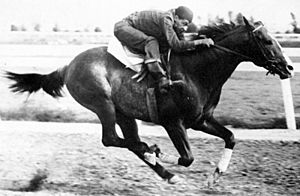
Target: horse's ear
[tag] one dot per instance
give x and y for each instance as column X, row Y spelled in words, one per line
column 246, row 21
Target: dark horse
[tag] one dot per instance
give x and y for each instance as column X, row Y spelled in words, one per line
column 99, row 82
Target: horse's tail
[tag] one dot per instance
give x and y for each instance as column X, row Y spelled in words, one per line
column 51, row 83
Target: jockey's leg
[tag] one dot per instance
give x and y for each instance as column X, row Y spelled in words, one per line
column 140, row 42
column 153, row 63
column 131, row 37
column 159, row 76
column 213, row 127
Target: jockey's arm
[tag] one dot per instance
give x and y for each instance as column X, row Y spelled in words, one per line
column 181, row 45
column 174, row 42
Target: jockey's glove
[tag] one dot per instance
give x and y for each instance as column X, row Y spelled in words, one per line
column 207, row 42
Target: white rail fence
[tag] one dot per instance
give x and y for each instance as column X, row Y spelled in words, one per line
column 287, row 37
column 86, row 37
column 288, row 101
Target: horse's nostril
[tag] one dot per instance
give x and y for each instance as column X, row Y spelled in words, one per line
column 290, row 67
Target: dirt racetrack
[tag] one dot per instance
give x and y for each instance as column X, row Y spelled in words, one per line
column 72, row 161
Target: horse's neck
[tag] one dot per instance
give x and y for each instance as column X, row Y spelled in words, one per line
column 211, row 68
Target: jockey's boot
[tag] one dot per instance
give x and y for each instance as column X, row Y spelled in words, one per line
column 159, row 76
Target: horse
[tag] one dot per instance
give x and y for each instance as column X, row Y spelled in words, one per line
column 99, row 82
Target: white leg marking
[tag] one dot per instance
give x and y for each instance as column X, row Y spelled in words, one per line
column 225, row 159
column 165, row 158
column 150, row 158
column 175, row 180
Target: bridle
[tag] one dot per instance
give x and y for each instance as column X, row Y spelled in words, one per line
column 267, row 61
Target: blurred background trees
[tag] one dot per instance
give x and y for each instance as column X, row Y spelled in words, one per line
column 212, row 20
column 294, row 24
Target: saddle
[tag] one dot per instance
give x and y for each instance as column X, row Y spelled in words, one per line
column 130, row 59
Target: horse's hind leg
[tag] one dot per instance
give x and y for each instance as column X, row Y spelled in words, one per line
column 107, row 115
column 130, row 132
column 129, row 127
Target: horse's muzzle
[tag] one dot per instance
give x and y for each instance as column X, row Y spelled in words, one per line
column 286, row 72
column 289, row 69
column 283, row 70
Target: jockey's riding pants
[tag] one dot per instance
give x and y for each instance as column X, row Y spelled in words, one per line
column 140, row 42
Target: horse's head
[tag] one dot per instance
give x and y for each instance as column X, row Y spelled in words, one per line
column 264, row 51
column 251, row 42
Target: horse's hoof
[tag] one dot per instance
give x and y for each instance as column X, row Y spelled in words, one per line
column 213, row 179
column 210, row 181
column 175, row 180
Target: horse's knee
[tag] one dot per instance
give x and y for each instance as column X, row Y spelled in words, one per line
column 186, row 161
column 230, row 141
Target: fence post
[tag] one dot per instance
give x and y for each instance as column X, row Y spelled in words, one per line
column 288, row 100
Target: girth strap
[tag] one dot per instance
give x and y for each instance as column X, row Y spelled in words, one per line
column 152, row 105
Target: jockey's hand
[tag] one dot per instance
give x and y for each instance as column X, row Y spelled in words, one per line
column 207, row 42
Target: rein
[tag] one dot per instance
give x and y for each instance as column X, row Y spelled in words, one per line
column 231, row 51
column 267, row 62
column 251, row 33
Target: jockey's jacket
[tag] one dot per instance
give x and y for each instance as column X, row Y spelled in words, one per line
column 159, row 24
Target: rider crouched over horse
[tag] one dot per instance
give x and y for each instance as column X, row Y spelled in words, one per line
column 151, row 32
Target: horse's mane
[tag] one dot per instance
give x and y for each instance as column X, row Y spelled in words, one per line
column 216, row 30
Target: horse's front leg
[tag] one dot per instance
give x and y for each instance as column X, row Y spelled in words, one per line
column 178, row 135
column 213, row 127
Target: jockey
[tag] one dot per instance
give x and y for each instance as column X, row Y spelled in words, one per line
column 149, row 32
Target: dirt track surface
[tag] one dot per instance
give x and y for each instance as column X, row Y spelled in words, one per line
column 74, row 162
